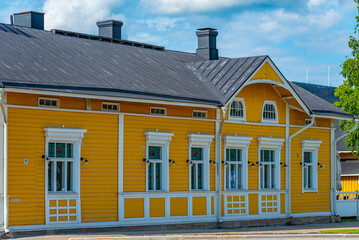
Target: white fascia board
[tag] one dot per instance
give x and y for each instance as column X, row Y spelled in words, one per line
column 123, row 99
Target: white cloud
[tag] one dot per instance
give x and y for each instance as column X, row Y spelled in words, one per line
column 78, row 15
column 315, row 3
column 162, row 23
column 181, row 6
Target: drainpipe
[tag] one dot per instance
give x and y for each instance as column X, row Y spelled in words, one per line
column 289, row 157
column 6, row 197
column 219, row 161
column 335, row 164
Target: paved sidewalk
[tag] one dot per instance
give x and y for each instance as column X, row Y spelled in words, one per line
column 273, row 232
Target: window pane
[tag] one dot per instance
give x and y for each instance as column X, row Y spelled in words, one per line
column 272, row 180
column 233, row 176
column 200, row 175
column 69, row 148
column 60, row 150
column 51, row 150
column 60, row 172
column 50, row 178
column 266, row 176
column 305, row 177
column 154, row 152
column 307, row 157
column 158, row 176
column 310, row 172
column 70, row 176
column 239, row 176
column 150, row 175
column 228, row 176
column 193, row 176
column 227, row 155
column 265, row 155
column 196, row 153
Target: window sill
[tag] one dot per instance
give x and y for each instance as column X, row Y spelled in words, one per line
column 310, row 190
column 62, row 193
column 269, row 121
column 236, row 119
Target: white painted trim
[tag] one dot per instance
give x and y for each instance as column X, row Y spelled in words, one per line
column 156, row 116
column 312, row 214
column 347, row 151
column 160, row 108
column 120, row 166
column 161, row 139
column 274, row 144
column 201, row 141
column 268, row 81
column 110, row 103
column 234, row 118
column 272, row 121
column 349, row 175
column 77, row 95
column 242, row 143
column 47, row 98
column 309, row 145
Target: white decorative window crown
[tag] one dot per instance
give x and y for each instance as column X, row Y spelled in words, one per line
column 200, row 140
column 310, row 144
column 233, row 141
column 62, row 133
column 160, row 138
column 269, row 142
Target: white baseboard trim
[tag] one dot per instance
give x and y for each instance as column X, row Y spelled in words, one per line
column 312, row 214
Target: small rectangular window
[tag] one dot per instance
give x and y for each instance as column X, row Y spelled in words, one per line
column 158, row 111
column 106, row 106
column 308, row 121
column 48, row 102
column 199, row 114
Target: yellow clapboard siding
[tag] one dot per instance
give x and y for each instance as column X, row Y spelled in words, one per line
column 267, row 72
column 179, row 206
column 134, row 207
column 199, row 206
column 350, row 183
column 157, row 207
column 26, row 181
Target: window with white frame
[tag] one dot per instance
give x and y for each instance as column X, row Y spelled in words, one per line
column 310, row 165
column 269, row 162
column 199, row 151
column 199, row 114
column 48, row 102
column 236, row 161
column 157, row 111
column 63, row 147
column 107, row 106
column 237, row 109
column 157, row 159
column 269, row 112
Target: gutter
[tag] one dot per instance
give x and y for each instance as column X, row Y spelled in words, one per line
column 5, row 195
column 289, row 157
column 335, row 165
column 219, row 161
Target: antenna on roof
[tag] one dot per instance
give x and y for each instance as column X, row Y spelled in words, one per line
column 11, row 20
column 306, row 80
column 329, row 77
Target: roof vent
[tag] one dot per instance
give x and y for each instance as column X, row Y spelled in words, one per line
column 110, row 28
column 29, row 19
column 207, row 43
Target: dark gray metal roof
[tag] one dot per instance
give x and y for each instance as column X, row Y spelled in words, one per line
column 325, row 92
column 318, row 105
column 80, row 63
column 350, row 167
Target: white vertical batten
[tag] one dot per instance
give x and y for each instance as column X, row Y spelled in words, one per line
column 332, row 167
column 287, row 157
column 5, row 157
column 120, row 167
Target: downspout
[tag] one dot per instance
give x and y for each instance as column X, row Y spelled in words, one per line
column 335, row 165
column 289, row 157
column 219, row 161
column 6, row 197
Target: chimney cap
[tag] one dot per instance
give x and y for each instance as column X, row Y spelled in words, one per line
column 28, row 12
column 109, row 22
column 207, row 28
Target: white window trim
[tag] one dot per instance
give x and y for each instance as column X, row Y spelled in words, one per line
column 110, row 103
column 233, row 118
column 308, row 119
column 66, row 135
column 276, row 112
column 201, row 111
column 160, row 139
column 269, row 143
column 201, row 141
column 238, row 142
column 158, row 108
column 309, row 145
column 51, row 99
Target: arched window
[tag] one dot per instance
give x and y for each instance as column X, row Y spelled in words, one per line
column 237, row 109
column 269, row 112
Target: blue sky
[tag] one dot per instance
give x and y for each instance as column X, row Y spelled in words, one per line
column 298, row 34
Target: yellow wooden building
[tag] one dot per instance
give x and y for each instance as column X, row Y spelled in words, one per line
column 103, row 132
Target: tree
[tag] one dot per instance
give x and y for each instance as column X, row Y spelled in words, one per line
column 348, row 92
